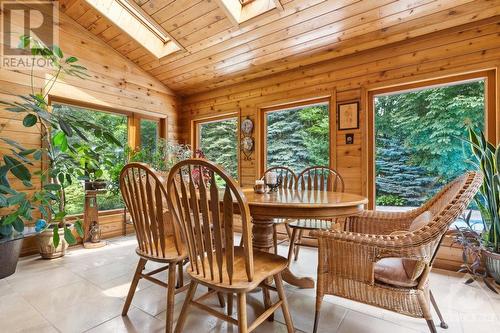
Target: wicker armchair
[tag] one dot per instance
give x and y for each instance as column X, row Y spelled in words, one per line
column 348, row 260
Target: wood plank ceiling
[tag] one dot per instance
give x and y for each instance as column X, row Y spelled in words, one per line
column 217, row 52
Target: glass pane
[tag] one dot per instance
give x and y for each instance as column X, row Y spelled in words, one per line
column 75, row 192
column 149, row 134
column 417, row 149
column 218, row 141
column 298, row 138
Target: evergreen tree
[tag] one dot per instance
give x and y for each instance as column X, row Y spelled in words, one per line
column 220, row 144
column 396, row 177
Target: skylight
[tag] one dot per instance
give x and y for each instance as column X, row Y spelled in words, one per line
column 240, row 11
column 130, row 18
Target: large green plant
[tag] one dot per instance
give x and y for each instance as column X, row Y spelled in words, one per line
column 488, row 197
column 60, row 156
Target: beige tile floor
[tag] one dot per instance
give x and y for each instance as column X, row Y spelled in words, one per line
column 85, row 291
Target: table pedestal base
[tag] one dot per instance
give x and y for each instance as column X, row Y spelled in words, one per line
column 262, row 231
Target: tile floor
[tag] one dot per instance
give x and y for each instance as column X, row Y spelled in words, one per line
column 85, row 291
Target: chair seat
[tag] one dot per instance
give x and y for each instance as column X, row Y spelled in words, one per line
column 392, row 271
column 311, row 224
column 265, row 265
column 170, row 255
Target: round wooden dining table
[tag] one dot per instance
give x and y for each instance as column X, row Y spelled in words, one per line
column 296, row 204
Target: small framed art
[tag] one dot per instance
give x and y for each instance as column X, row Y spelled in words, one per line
column 348, row 116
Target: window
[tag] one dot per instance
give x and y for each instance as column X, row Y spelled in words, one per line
column 75, row 195
column 218, row 140
column 417, row 149
column 149, row 134
column 297, row 137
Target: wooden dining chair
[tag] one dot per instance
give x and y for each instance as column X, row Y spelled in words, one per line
column 384, row 258
column 288, row 181
column 158, row 239
column 205, row 215
column 320, row 178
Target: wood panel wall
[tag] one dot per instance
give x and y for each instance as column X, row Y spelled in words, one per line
column 116, row 84
column 467, row 48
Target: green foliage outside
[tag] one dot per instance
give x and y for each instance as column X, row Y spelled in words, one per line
column 111, row 157
column 416, row 139
column 149, row 135
column 299, row 137
column 219, row 143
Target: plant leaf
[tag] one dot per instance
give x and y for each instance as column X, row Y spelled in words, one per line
column 52, row 187
column 18, row 225
column 68, row 236
column 55, row 237
column 79, row 228
column 30, row 120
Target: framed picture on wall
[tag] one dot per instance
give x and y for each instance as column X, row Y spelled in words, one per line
column 348, row 116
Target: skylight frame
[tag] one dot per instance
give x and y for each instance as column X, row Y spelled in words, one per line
column 137, row 24
column 241, row 11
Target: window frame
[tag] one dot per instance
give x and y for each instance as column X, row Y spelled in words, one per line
column 195, row 134
column 291, row 105
column 490, row 114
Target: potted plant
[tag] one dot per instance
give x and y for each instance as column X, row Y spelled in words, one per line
column 486, row 243
column 58, row 153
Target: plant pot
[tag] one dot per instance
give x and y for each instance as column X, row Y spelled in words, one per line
column 10, row 248
column 95, row 185
column 46, row 243
column 492, row 260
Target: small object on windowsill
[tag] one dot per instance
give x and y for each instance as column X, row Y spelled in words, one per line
column 260, row 187
column 275, row 182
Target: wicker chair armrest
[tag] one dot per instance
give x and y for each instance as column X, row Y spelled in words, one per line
column 352, row 256
column 380, row 222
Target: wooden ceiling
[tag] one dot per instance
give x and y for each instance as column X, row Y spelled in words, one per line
column 218, row 52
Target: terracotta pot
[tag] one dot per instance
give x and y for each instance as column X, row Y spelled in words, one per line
column 46, row 244
column 492, row 260
column 10, row 248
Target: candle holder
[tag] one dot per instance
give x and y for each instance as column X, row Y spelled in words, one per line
column 273, row 187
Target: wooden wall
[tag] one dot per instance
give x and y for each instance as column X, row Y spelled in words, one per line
column 116, row 84
column 467, row 48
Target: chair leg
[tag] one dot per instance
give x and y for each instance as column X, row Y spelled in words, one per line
column 267, row 301
column 431, row 325
column 317, row 313
column 288, row 231
column 284, row 305
column 297, row 247
column 230, row 304
column 434, row 304
column 291, row 247
column 222, row 301
column 170, row 298
column 242, row 313
column 275, row 238
column 137, row 276
column 180, row 275
column 189, row 297
column 424, row 305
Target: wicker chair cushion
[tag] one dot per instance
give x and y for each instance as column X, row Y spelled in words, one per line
column 403, row 272
column 392, row 271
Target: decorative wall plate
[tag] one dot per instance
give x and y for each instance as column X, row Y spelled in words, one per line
column 247, row 126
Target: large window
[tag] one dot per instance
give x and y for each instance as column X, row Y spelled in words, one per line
column 218, row 140
column 297, row 137
column 113, row 155
column 417, row 143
